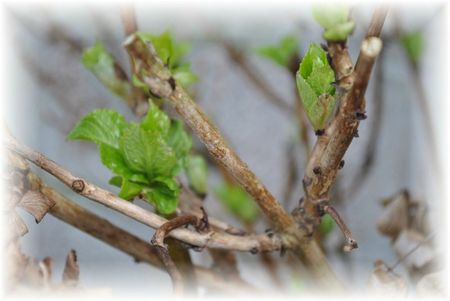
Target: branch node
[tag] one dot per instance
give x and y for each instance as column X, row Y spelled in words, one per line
column 78, row 185
column 360, row 115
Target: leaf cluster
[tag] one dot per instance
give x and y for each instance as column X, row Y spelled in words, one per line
column 145, row 157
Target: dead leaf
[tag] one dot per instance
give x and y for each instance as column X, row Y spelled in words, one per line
column 432, row 285
column 395, row 215
column 16, row 226
column 385, row 283
column 37, row 204
column 71, row 272
column 412, row 241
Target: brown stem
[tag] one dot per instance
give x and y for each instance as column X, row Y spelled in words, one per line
column 95, row 193
column 128, row 17
column 330, row 147
column 374, row 134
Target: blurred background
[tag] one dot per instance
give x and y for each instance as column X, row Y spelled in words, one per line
column 251, row 100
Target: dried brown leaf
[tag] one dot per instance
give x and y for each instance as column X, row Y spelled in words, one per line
column 71, row 272
column 385, row 283
column 16, row 225
column 36, row 203
column 395, row 216
column 407, row 241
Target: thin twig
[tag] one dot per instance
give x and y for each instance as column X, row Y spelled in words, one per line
column 128, row 17
column 163, row 252
column 95, row 193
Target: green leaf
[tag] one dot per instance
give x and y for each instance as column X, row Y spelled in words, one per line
column 116, row 181
column 335, row 20
column 112, row 158
column 179, row 50
column 314, row 79
column 147, row 152
column 238, row 202
column 162, row 44
column 129, row 190
column 184, row 76
column 280, row 53
column 197, row 173
column 414, row 44
column 163, row 194
column 97, row 60
column 178, row 139
column 172, row 54
column 100, row 126
column 156, row 120
column 326, row 225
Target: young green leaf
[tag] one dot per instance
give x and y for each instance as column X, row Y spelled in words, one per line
column 156, row 120
column 163, row 194
column 101, row 127
column 178, row 139
column 335, row 20
column 147, row 152
column 314, row 79
column 129, row 190
column 413, row 43
column 172, row 54
column 97, row 60
column 184, row 76
column 197, row 173
column 113, row 159
column 162, row 44
column 280, row 53
column 238, row 202
column 116, row 181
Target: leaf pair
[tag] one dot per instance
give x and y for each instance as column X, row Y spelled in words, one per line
column 144, row 157
column 314, row 84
